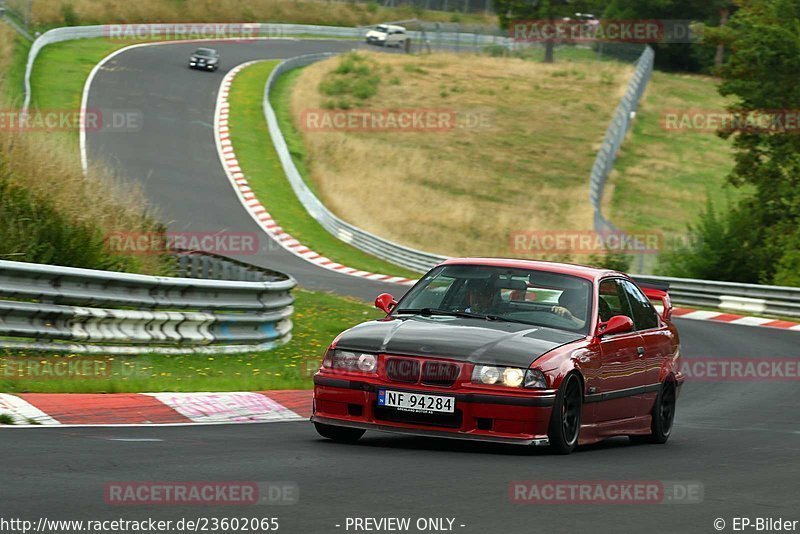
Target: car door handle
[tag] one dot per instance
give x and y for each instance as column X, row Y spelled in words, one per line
column 640, row 350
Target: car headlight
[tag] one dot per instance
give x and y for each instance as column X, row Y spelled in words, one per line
column 345, row 360
column 512, row 377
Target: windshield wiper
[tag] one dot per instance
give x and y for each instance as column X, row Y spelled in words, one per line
column 509, row 319
column 439, row 311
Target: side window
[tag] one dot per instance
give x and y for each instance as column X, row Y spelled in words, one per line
column 612, row 300
column 644, row 315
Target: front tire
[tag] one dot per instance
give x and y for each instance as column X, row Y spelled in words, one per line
column 339, row 433
column 565, row 421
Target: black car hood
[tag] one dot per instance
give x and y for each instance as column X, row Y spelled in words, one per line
column 457, row 338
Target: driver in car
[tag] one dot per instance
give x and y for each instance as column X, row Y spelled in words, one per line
column 479, row 296
column 572, row 307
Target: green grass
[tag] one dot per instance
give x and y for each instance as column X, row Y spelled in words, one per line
column 261, row 166
column 61, row 69
column 662, row 178
column 14, row 83
column 318, row 318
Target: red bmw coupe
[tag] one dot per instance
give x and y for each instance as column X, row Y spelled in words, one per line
column 509, row 351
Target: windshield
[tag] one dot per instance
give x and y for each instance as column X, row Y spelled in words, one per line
column 382, row 29
column 520, row 295
column 205, row 52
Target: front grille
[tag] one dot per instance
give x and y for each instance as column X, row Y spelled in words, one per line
column 449, row 420
column 439, row 373
column 403, row 370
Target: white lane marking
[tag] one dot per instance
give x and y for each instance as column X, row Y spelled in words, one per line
column 701, row 315
column 22, row 411
column 133, row 439
column 752, row 321
column 226, row 407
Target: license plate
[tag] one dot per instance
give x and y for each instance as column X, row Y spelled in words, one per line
column 416, row 402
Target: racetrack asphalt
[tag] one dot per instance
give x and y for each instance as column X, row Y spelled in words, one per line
column 739, row 440
column 171, row 152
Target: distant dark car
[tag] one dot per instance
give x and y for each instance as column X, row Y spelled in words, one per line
column 205, row 59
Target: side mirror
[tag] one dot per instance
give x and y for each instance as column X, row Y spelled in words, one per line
column 619, row 324
column 385, row 302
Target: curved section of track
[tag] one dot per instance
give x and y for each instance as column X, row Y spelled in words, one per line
column 174, row 157
column 738, row 439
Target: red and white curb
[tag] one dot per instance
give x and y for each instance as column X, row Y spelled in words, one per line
column 256, row 210
column 722, row 317
column 145, row 409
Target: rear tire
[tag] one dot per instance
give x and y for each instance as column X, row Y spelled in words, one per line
column 663, row 416
column 339, row 433
column 565, row 421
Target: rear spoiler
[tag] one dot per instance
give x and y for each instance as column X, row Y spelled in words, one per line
column 658, row 291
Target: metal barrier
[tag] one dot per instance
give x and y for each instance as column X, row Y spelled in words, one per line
column 410, row 258
column 136, row 32
column 48, row 307
column 615, row 135
column 731, row 296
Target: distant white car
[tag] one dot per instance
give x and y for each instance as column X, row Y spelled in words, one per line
column 387, row 35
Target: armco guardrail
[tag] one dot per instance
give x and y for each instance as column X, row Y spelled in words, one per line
column 615, row 135
column 133, row 32
column 49, row 307
column 407, row 257
column 732, row 297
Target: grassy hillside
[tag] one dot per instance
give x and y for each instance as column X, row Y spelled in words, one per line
column 663, row 177
column 517, row 159
column 49, row 211
column 50, row 13
column 466, row 191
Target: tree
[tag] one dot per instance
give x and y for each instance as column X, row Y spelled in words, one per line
column 511, row 11
column 676, row 56
column 762, row 233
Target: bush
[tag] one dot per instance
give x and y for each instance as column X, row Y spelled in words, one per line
column 725, row 246
column 611, row 260
column 354, row 76
column 69, row 16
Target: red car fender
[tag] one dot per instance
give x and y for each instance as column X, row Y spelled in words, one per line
column 671, row 367
column 560, row 362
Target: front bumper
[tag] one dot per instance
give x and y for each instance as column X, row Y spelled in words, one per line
column 521, row 419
